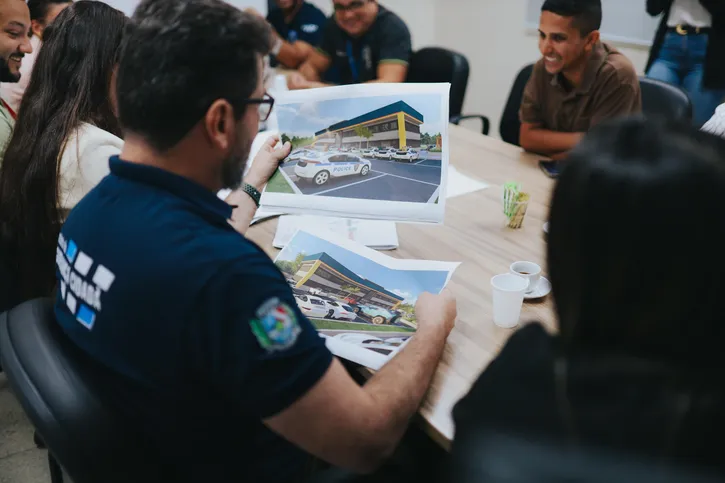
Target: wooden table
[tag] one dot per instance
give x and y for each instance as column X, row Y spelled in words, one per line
column 474, row 233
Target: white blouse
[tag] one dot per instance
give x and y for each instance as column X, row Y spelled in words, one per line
column 689, row 12
column 84, row 162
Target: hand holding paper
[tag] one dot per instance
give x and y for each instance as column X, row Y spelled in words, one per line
column 267, row 161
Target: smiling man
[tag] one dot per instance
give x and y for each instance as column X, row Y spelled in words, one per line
column 362, row 42
column 579, row 81
column 14, row 44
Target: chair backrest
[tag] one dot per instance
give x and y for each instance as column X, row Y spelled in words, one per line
column 501, row 458
column 436, row 64
column 660, row 99
column 52, row 381
column 510, row 125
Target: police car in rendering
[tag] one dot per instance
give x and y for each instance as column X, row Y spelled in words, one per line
column 320, row 169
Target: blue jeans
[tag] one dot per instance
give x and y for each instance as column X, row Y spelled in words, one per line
column 681, row 62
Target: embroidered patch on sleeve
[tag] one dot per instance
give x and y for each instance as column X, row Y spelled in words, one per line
column 276, row 327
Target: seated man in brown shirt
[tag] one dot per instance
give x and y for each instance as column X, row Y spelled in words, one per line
column 579, row 82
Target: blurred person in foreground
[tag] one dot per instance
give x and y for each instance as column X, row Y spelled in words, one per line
column 635, row 368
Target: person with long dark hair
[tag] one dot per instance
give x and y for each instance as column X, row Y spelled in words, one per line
column 42, row 13
column 636, row 230
column 65, row 133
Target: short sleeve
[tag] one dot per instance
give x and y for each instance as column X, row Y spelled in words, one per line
column 716, row 124
column 395, row 43
column 6, row 131
column 249, row 339
column 330, row 38
column 531, row 110
column 276, row 20
column 319, row 20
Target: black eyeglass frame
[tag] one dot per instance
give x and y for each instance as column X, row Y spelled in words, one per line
column 267, row 99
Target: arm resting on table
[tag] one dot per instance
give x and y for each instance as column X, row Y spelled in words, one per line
column 544, row 141
column 355, row 427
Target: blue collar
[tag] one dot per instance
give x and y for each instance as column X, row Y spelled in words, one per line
column 173, row 183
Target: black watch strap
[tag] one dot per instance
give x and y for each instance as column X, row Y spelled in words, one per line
column 252, row 192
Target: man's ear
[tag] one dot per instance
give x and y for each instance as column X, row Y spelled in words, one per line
column 592, row 40
column 219, row 124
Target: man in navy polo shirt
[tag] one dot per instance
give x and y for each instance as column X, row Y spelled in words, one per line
column 194, row 334
column 363, row 42
column 298, row 25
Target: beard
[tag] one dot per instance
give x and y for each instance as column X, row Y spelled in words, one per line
column 233, row 167
column 5, row 74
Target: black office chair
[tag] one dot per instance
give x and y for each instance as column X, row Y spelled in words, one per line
column 435, row 64
column 510, row 126
column 51, row 379
column 501, row 458
column 663, row 100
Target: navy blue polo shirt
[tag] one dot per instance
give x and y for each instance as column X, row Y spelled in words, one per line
column 306, row 25
column 194, row 333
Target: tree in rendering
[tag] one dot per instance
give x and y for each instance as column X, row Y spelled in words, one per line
column 363, row 132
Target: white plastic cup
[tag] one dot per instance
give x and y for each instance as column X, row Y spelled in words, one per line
column 280, row 83
column 508, row 298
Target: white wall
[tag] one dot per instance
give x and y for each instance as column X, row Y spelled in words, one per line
column 128, row 6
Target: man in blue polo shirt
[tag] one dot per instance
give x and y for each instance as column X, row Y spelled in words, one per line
column 193, row 332
column 298, row 25
column 362, row 42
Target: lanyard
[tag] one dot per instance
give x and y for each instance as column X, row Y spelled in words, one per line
column 353, row 64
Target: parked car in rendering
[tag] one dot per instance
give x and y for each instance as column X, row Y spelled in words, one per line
column 336, row 310
column 376, row 315
column 386, row 153
column 311, row 306
column 369, row 153
column 408, row 155
column 320, row 169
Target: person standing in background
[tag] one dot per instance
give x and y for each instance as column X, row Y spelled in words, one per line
column 298, row 27
column 688, row 51
column 42, row 12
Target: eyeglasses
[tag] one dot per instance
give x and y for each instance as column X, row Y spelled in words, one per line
column 266, row 104
column 355, row 5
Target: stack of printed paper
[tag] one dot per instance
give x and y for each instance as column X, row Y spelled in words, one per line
column 361, row 301
column 380, row 235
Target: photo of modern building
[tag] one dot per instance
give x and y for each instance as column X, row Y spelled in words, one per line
column 323, row 273
column 396, row 125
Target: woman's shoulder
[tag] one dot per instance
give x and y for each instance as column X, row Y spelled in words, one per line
column 88, row 141
column 89, row 135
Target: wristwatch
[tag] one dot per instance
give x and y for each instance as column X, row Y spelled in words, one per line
column 252, row 192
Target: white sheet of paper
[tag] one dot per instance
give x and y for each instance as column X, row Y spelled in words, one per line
column 459, row 184
column 379, row 235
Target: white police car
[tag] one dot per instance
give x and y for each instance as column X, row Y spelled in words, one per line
column 320, row 169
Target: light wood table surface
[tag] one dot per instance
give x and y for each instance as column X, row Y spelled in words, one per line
column 474, row 233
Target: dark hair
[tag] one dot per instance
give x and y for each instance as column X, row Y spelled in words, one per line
column 39, row 8
column 587, row 13
column 70, row 85
column 179, row 57
column 636, row 236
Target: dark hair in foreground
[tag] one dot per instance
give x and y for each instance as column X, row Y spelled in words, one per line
column 587, row 13
column 635, row 252
column 39, row 8
column 70, row 85
column 178, row 58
